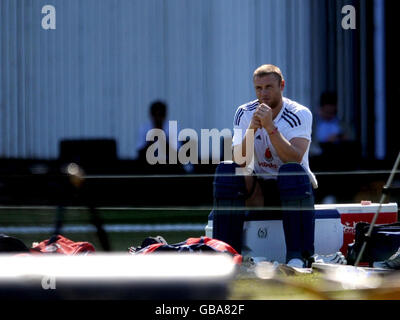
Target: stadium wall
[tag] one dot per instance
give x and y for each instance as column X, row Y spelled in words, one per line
column 97, row 72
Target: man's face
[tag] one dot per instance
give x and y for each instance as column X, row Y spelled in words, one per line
column 158, row 117
column 328, row 111
column 269, row 90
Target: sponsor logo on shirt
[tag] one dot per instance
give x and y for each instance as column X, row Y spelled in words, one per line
column 267, row 165
column 268, row 154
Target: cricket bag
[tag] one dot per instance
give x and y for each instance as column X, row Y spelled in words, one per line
column 202, row 244
column 62, row 245
column 383, row 243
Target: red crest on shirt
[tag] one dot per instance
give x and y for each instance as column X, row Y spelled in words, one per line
column 268, row 154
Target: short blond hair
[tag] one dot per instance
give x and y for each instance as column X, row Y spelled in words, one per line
column 267, row 69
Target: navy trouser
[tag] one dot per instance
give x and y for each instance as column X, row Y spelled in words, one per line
column 229, row 196
column 298, row 215
column 292, row 192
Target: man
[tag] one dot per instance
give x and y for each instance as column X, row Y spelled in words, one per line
column 281, row 132
column 328, row 127
column 158, row 115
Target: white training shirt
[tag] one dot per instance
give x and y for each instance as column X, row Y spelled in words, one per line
column 294, row 120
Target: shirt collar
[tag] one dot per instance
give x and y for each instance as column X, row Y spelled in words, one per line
column 280, row 112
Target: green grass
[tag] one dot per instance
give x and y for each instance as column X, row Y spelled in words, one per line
column 298, row 287
column 317, row 285
column 39, row 216
column 120, row 241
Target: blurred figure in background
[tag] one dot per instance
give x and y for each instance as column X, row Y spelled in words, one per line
column 328, row 127
column 158, row 120
column 335, row 151
column 158, row 116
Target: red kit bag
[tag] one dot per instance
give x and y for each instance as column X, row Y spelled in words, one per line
column 202, row 244
column 63, row 245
